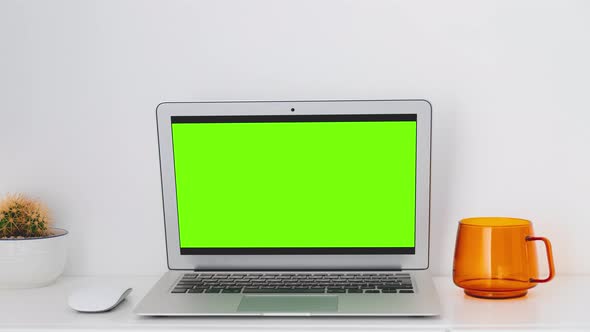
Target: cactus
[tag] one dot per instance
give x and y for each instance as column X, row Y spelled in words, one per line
column 23, row 217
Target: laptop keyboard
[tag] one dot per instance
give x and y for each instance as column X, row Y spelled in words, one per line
column 317, row 283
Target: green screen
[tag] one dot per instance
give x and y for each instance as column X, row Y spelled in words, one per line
column 295, row 184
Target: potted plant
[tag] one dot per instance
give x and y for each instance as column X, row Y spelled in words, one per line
column 32, row 253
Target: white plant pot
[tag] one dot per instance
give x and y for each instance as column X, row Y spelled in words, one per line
column 28, row 263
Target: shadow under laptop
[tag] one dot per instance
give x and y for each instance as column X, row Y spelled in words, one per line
column 330, row 323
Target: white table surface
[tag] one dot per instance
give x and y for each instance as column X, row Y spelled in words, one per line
column 559, row 305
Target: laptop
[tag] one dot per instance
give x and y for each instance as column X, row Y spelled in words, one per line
column 295, row 208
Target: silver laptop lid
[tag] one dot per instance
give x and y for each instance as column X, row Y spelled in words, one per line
column 296, row 184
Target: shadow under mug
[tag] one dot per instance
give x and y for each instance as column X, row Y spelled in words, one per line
column 496, row 257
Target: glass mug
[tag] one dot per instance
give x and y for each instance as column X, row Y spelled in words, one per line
column 496, row 257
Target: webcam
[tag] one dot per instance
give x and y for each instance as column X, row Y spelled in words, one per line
column 292, row 110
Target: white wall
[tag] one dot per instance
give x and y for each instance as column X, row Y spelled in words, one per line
column 509, row 81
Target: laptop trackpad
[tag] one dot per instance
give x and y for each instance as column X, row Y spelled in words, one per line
column 297, row 303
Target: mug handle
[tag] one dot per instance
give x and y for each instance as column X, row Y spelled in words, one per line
column 549, row 258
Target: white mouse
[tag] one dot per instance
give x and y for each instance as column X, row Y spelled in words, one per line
column 98, row 299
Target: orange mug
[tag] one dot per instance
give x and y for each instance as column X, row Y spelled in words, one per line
column 496, row 257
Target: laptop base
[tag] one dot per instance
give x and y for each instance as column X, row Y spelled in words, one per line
column 160, row 301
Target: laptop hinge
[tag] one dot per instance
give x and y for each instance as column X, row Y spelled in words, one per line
column 393, row 269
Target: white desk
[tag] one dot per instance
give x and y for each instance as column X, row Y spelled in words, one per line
column 560, row 305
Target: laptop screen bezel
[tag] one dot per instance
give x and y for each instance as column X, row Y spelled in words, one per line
column 292, row 258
